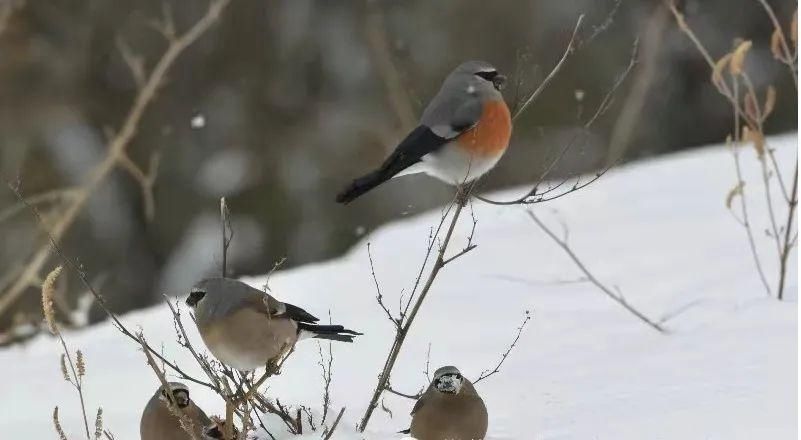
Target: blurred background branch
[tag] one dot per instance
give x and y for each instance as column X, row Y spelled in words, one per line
column 283, row 101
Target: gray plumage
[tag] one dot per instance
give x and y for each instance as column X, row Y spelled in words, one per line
column 450, row 409
column 458, row 104
column 246, row 328
column 461, row 103
column 159, row 423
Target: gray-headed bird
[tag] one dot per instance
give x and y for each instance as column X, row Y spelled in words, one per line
column 246, row 328
column 463, row 133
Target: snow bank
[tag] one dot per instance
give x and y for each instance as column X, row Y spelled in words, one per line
column 584, row 368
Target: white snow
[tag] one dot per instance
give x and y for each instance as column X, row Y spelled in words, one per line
column 583, row 369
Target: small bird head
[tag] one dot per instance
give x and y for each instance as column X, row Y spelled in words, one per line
column 180, row 394
column 196, row 294
column 448, row 380
column 484, row 72
column 216, row 430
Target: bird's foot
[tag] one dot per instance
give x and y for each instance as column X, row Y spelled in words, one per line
column 463, row 193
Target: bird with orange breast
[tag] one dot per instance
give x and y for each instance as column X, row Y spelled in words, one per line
column 463, row 133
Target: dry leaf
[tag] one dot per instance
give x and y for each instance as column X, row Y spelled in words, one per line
column 770, row 102
column 738, row 57
column 775, row 44
column 717, row 72
column 734, row 192
column 794, row 29
column 756, row 138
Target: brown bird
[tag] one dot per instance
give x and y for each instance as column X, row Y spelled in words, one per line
column 450, row 409
column 159, row 423
column 246, row 328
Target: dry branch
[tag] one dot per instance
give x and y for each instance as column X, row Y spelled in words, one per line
column 406, row 320
column 116, row 150
column 616, row 297
column 734, row 83
column 487, row 373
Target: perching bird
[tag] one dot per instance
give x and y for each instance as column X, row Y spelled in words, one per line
column 246, row 328
column 159, row 423
column 450, row 409
column 463, row 133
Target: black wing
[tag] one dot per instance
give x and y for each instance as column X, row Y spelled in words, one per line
column 295, row 313
column 421, row 141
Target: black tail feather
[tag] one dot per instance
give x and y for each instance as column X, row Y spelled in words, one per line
column 332, row 332
column 362, row 185
column 405, row 431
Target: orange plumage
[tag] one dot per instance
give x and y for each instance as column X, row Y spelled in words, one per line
column 490, row 136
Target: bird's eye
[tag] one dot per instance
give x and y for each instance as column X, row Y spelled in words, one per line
column 459, row 376
column 487, row 75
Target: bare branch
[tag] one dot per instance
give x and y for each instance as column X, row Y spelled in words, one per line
column 116, row 149
column 330, row 432
column 568, row 51
column 227, row 233
column 396, row 322
column 186, row 422
column 463, row 193
column 398, row 393
column 487, row 373
column 607, row 291
column 56, row 196
column 381, row 56
column 533, row 196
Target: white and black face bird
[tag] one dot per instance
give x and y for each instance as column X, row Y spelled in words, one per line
column 448, row 380
column 159, row 421
column 449, row 409
column 180, row 395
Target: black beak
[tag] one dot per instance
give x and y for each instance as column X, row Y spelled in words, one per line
column 499, row 82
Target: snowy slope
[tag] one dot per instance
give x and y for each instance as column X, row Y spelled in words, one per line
column 584, row 369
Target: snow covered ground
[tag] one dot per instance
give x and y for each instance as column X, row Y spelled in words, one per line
column 583, row 369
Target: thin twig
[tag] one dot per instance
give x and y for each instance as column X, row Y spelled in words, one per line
column 400, row 335
column 568, row 51
column 227, row 233
column 100, row 300
column 487, row 373
column 607, row 291
column 334, row 426
column 398, row 393
column 788, row 242
column 186, row 422
column 533, row 196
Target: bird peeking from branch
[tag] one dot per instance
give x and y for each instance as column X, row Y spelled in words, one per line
column 160, row 420
column 463, row 133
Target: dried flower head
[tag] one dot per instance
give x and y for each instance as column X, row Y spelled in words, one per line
column 64, row 368
column 776, row 44
column 99, row 423
column 770, row 102
column 48, row 292
column 57, row 424
column 738, row 57
column 81, row 363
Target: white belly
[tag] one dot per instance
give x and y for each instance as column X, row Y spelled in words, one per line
column 453, row 165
